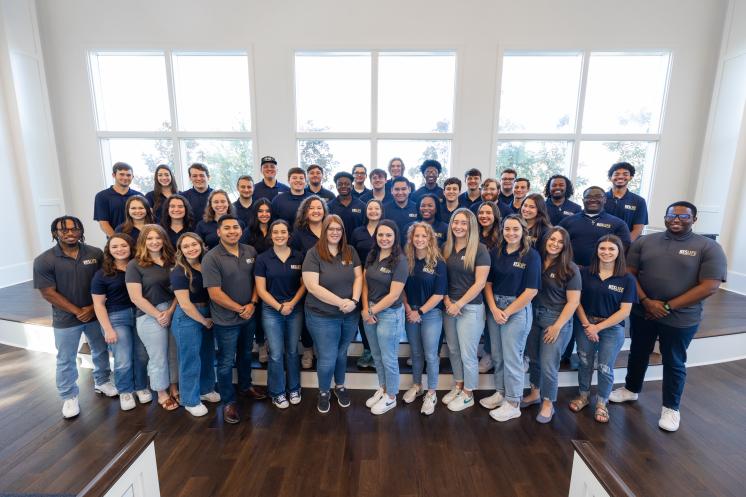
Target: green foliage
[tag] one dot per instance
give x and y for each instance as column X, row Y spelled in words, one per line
column 538, row 161
column 316, row 151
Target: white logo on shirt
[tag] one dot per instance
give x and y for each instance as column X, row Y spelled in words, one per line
column 567, row 213
column 618, row 289
column 295, row 266
column 552, row 275
column 250, row 260
column 691, row 253
column 428, row 270
column 412, row 214
column 630, row 207
column 356, row 211
column 603, row 225
column 519, row 265
column 384, row 270
column 87, row 262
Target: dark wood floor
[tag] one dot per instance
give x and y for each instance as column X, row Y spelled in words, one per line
column 350, row 452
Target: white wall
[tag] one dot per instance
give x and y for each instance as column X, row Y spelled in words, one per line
column 478, row 30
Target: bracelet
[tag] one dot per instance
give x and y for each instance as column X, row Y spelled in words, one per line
column 419, row 311
column 281, row 306
column 356, row 301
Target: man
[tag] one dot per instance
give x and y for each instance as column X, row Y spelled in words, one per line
column 622, row 203
column 269, row 187
column 108, row 207
column 590, row 224
column 473, row 194
column 676, row 271
column 228, row 275
column 200, row 191
column 315, row 178
column 401, row 209
column 396, row 169
column 359, row 172
column 451, row 193
column 430, row 170
column 521, row 187
column 378, row 182
column 351, row 210
column 558, row 191
column 63, row 276
column 285, row 205
column 490, row 192
column 507, row 179
column 245, row 187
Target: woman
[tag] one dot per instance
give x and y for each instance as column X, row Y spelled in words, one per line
column 515, row 278
column 148, row 284
column 423, row 302
column 383, row 313
column 137, row 214
column 362, row 240
column 534, row 212
column 467, row 264
column 257, row 233
column 279, row 285
column 605, row 302
column 489, row 219
column 176, row 217
column 192, row 327
column 164, row 185
column 429, row 212
column 554, row 308
column 116, row 314
column 218, row 205
column 334, row 279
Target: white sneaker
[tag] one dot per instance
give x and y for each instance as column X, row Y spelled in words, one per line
column 126, row 401
column 428, row 404
column 263, row 353
column 505, row 412
column 451, row 395
column 70, row 408
column 670, row 419
column 461, row 402
column 295, row 398
column 281, row 401
column 385, row 404
column 306, row 360
column 213, row 397
column 377, row 395
column 412, row 394
column 485, row 363
column 197, row 411
column 622, row 395
column 493, row 401
column 144, row 396
column 107, row 389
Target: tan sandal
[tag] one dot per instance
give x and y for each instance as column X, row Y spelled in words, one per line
column 602, row 413
column 579, row 403
column 169, row 404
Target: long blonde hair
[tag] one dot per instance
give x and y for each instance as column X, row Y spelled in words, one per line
column 472, row 239
column 181, row 260
column 432, row 252
column 142, row 255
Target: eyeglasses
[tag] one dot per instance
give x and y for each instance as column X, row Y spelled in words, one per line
column 594, row 197
column 68, row 230
column 335, row 230
column 682, row 217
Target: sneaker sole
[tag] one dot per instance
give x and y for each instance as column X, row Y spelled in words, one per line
column 100, row 392
column 339, row 401
column 71, row 417
column 460, row 408
column 506, row 419
column 383, row 412
column 489, row 405
column 322, row 412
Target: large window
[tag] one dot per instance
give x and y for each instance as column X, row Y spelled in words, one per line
column 367, row 107
column 578, row 113
column 174, row 108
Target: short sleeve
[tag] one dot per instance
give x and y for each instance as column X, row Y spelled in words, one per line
column 483, row 256
column 401, row 271
column 44, row 273
column 119, row 227
column 633, row 255
column 179, row 280
column 101, row 207
column 98, row 286
column 532, row 276
column 622, row 231
column 356, row 260
column 641, row 214
column 575, row 282
column 714, row 263
column 260, row 268
column 441, row 279
column 312, row 264
column 630, row 290
column 211, row 276
column 132, row 274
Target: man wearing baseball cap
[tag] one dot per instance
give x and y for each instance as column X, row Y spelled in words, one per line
column 269, row 187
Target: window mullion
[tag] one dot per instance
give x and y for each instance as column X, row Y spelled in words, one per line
column 572, row 173
column 176, row 145
column 374, row 109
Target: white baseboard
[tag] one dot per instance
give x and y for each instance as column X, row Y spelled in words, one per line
column 15, row 273
column 28, row 336
column 736, row 282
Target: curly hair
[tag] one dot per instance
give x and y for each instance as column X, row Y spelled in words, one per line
column 142, row 254
column 569, row 189
column 432, row 252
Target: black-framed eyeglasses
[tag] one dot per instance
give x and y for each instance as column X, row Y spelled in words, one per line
column 682, row 217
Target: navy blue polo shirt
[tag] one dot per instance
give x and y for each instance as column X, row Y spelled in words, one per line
column 631, row 208
column 423, row 190
column 353, row 215
column 256, row 239
column 362, row 241
column 262, row 190
column 445, row 214
column 327, row 195
column 134, row 232
column 439, row 227
column 402, row 216
column 559, row 212
column 197, row 291
column 505, row 199
column 387, row 186
column 197, row 201
column 365, row 197
column 209, row 232
column 285, row 206
column 303, row 240
column 511, row 274
column 426, row 281
column 602, row 298
column 244, row 213
column 109, row 205
column 465, row 201
column 356, row 194
column 173, row 235
column 586, row 230
column 283, row 278
column 505, row 209
column 157, row 213
column 114, row 288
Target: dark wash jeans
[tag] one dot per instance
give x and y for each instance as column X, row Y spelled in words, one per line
column 234, row 345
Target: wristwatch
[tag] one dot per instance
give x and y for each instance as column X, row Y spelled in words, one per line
column 419, row 311
column 666, row 306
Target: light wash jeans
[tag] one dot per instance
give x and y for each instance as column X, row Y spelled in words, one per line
column 383, row 337
column 544, row 358
column 424, row 342
column 196, row 346
column 130, row 357
column 462, row 335
column 610, row 341
column 282, row 334
column 508, row 342
column 332, row 336
column 67, row 340
column 155, row 338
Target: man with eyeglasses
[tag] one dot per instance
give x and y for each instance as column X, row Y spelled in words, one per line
column 507, row 180
column 622, row 203
column 269, row 187
column 359, row 172
column 676, row 271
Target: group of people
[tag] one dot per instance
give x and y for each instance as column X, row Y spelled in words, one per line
column 188, row 275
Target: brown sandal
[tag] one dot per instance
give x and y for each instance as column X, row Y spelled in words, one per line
column 578, row 404
column 602, row 413
column 169, row 404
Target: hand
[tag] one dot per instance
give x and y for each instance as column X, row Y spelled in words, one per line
column 655, row 308
column 110, row 336
column 246, row 311
column 591, row 331
column 287, row 309
column 414, row 316
column 370, row 318
column 453, row 309
column 348, row 305
column 86, row 314
column 551, row 333
column 208, row 323
column 164, row 318
column 499, row 316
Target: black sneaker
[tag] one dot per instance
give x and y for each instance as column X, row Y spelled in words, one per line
column 343, row 398
column 323, row 403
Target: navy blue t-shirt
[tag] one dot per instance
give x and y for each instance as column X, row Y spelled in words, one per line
column 285, row 206
column 402, row 216
column 197, row 292
column 426, row 281
column 586, row 230
column 603, row 298
column 109, row 205
column 362, row 241
column 283, row 278
column 353, row 215
column 209, row 232
column 197, row 201
column 114, row 288
column 261, row 190
column 559, row 212
column 631, row 208
column 511, row 274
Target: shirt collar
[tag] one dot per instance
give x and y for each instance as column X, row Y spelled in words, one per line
column 678, row 238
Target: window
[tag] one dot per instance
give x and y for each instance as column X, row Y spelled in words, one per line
column 578, row 113
column 367, row 107
column 174, row 108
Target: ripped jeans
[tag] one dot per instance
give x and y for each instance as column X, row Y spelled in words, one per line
column 610, row 341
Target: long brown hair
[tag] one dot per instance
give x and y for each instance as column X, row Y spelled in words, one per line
column 525, row 239
column 158, row 188
column 129, row 223
column 432, row 252
column 109, row 264
column 142, row 255
column 620, row 264
column 322, row 246
column 301, row 218
column 562, row 265
column 542, row 222
column 375, row 251
column 493, row 234
column 181, row 260
column 209, row 214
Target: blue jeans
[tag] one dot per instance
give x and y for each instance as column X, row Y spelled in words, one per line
column 462, row 336
column 234, row 346
column 383, row 337
column 196, row 347
column 673, row 345
column 332, row 336
column 155, row 338
column 130, row 357
column 610, row 341
column 544, row 358
column 424, row 342
column 282, row 333
column 67, row 340
column 508, row 342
